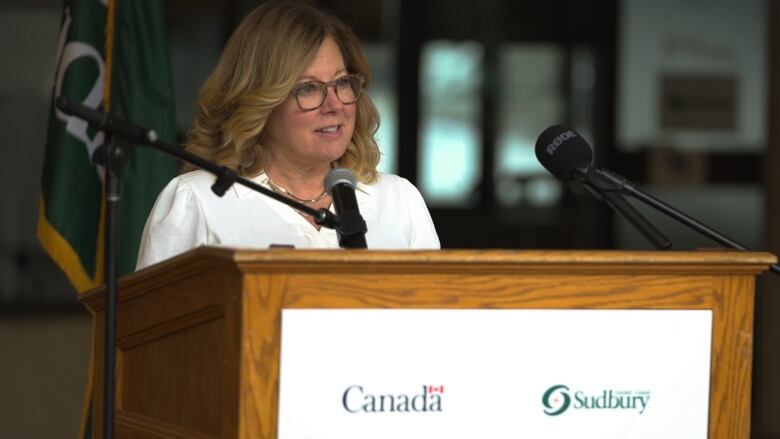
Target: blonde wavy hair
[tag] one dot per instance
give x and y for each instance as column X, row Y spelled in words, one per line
column 257, row 70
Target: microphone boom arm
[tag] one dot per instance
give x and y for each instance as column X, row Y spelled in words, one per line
column 226, row 177
column 628, row 188
column 567, row 156
column 613, row 196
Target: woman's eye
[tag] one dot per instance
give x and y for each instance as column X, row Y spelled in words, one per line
column 308, row 89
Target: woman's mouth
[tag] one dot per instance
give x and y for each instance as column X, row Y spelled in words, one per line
column 328, row 130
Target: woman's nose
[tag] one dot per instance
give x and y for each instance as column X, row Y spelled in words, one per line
column 332, row 101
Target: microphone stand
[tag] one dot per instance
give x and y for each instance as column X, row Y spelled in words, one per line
column 622, row 185
column 120, row 136
column 604, row 188
column 112, row 154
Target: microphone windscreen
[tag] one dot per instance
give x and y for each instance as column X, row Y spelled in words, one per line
column 339, row 176
column 561, row 150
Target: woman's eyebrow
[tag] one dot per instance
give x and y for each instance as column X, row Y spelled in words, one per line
column 312, row 78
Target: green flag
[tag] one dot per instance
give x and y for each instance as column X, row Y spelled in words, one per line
column 112, row 56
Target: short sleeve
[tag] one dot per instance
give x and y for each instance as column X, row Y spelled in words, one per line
column 176, row 224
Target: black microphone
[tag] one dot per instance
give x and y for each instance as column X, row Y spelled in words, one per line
column 564, row 153
column 568, row 156
column 351, row 228
column 106, row 121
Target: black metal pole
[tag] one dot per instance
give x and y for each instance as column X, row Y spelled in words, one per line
column 112, row 155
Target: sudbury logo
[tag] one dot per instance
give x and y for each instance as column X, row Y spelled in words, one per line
column 557, row 399
column 558, row 141
column 356, row 399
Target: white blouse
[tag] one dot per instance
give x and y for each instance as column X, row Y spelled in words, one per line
column 188, row 214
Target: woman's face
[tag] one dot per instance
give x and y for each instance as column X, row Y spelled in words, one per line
column 316, row 137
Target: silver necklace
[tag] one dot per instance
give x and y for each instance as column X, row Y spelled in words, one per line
column 280, row 190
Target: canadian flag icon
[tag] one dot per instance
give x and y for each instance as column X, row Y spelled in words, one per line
column 436, row 389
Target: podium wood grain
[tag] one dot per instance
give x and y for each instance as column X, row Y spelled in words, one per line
column 198, row 338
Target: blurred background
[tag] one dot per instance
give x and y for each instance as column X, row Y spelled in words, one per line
column 680, row 96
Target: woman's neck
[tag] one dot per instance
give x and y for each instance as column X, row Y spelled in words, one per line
column 302, row 183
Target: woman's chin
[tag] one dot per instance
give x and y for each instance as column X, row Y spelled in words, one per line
column 330, row 153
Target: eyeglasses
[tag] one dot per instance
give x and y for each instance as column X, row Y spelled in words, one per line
column 311, row 95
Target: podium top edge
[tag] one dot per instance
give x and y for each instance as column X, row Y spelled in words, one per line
column 502, row 256
column 465, row 262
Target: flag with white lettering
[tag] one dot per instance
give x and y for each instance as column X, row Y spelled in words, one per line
column 112, row 56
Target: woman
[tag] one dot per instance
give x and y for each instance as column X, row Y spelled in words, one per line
column 286, row 103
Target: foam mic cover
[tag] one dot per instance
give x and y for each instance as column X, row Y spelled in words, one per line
column 562, row 151
column 340, row 184
column 340, row 176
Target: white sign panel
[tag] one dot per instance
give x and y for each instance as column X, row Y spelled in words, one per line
column 494, row 374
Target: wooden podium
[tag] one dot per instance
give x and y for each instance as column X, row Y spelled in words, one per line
column 198, row 336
